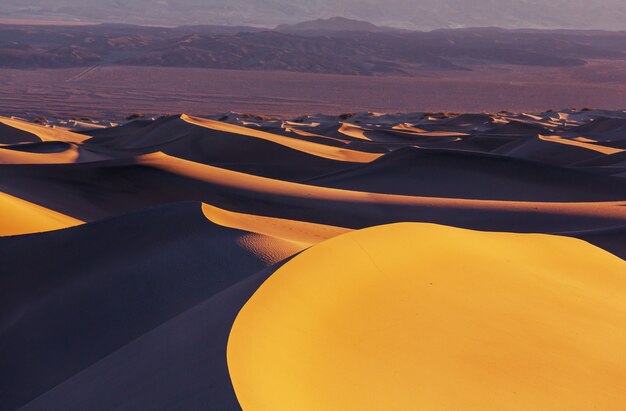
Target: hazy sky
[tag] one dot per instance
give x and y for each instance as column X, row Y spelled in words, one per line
column 417, row 14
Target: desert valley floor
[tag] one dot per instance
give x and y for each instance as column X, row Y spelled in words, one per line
column 367, row 261
column 117, row 91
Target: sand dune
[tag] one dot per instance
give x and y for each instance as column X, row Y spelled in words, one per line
column 300, row 145
column 414, row 316
column 43, row 153
column 180, row 365
column 299, row 232
column 44, row 133
column 552, row 150
column 226, row 145
column 127, row 253
column 249, row 187
column 584, row 144
column 128, row 275
column 12, row 135
column 22, row 217
column 149, row 180
column 436, row 173
column 605, row 129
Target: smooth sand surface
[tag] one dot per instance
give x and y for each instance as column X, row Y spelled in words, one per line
column 42, row 132
column 69, row 298
column 62, row 153
column 128, row 251
column 258, row 186
column 22, row 217
column 301, row 145
column 418, row 316
column 298, row 232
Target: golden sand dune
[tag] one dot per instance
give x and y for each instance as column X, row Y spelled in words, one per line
column 44, row 133
column 253, row 186
column 145, row 241
column 72, row 297
column 416, row 316
column 298, row 232
column 305, row 135
column 353, row 131
column 61, row 153
column 22, row 217
column 272, row 239
column 584, row 144
column 329, row 152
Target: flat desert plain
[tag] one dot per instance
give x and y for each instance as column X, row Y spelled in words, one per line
column 364, row 261
column 117, row 91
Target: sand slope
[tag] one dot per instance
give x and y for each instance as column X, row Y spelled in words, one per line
column 180, row 365
column 126, row 275
column 43, row 133
column 128, row 251
column 22, row 217
column 416, row 316
column 229, row 146
column 437, row 173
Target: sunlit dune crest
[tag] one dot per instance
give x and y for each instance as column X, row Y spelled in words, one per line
column 303, row 133
column 272, row 239
column 18, row 216
column 329, row 152
column 419, row 316
column 353, row 131
column 255, row 184
column 44, row 133
column 584, row 144
column 293, row 231
column 67, row 154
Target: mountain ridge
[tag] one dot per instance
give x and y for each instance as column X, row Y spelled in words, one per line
column 409, row 14
column 313, row 47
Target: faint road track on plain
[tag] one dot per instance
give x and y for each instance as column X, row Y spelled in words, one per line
column 82, row 74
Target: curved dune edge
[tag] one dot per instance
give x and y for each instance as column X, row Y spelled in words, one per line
column 291, row 129
column 588, row 145
column 18, row 216
column 263, row 185
column 24, row 157
column 301, row 233
column 353, row 131
column 320, row 150
column 44, row 133
column 422, row 316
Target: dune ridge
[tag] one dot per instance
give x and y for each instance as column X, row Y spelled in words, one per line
column 302, row 145
column 422, row 316
column 128, row 275
column 23, row 217
column 131, row 253
column 44, row 133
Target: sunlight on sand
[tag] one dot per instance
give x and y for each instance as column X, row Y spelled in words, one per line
column 44, row 133
column 22, row 217
column 12, row 156
column 421, row 316
column 255, row 185
column 299, row 232
column 330, row 152
column 588, row 145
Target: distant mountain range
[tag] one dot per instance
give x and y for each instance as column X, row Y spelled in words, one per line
column 316, row 46
column 412, row 14
column 333, row 24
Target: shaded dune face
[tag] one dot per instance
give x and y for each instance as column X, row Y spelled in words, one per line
column 418, row 316
column 72, row 297
column 179, row 365
column 127, row 252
